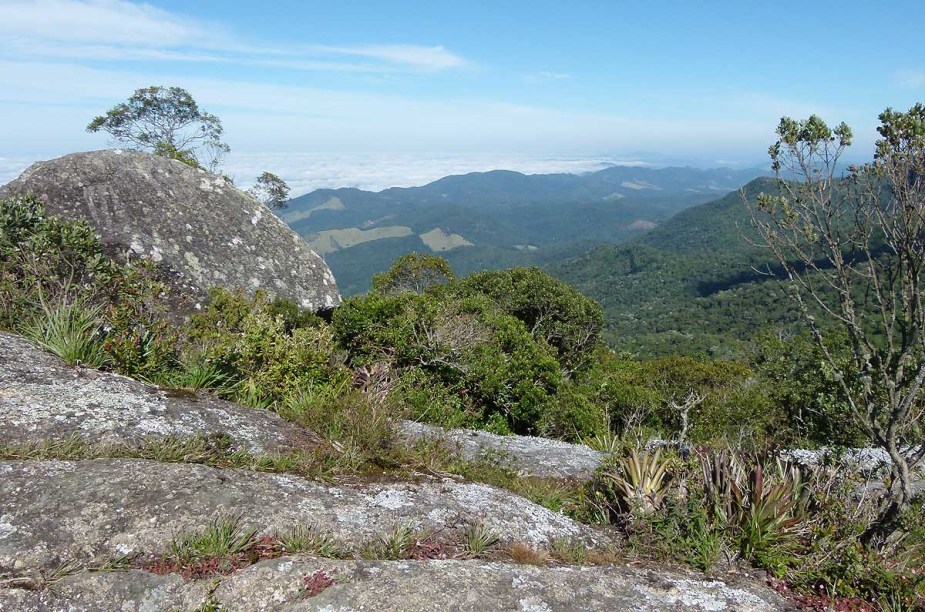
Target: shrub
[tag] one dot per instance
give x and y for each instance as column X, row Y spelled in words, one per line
column 573, row 416
column 464, row 347
column 807, row 391
column 551, row 310
column 256, row 349
column 45, row 260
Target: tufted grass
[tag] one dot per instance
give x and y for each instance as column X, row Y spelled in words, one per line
column 222, row 537
column 72, row 331
column 477, row 539
column 308, row 539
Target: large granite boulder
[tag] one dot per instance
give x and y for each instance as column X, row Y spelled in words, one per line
column 197, row 224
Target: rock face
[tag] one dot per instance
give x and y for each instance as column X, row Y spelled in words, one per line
column 529, row 456
column 109, row 507
column 43, row 400
column 197, row 224
column 406, row 586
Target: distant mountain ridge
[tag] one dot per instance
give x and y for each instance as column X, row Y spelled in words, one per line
column 497, row 219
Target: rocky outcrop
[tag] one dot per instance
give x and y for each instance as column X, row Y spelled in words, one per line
column 109, row 507
column 529, row 456
column 42, row 400
column 197, row 224
column 96, row 534
column 408, row 586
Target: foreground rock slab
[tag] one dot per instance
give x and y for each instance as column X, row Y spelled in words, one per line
column 55, row 511
column 197, row 224
column 42, row 400
column 134, row 591
column 299, row 583
column 529, row 456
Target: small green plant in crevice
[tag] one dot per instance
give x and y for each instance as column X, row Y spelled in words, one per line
column 568, row 550
column 72, row 331
column 397, row 543
column 477, row 539
column 308, row 539
column 222, row 537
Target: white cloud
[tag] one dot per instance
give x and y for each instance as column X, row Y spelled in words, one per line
column 428, row 58
column 305, row 172
column 112, row 21
column 117, row 30
column 259, row 116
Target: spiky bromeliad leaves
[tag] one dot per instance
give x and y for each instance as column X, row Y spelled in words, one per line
column 641, row 480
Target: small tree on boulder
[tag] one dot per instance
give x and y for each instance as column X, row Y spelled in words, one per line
column 271, row 191
column 165, row 121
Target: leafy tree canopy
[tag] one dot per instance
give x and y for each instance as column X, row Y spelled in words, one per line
column 165, row 121
column 413, row 273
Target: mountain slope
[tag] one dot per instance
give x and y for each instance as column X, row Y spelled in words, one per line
column 688, row 286
column 496, row 219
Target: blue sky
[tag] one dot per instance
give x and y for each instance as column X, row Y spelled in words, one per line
column 447, row 86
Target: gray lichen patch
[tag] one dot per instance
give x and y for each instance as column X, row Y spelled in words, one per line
column 42, row 400
column 167, row 211
column 120, row 506
column 530, row 456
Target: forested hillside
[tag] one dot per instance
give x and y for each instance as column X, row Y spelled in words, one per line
column 497, row 219
column 693, row 285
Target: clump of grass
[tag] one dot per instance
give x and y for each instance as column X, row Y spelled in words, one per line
column 567, row 550
column 222, row 537
column 196, row 373
column 359, row 432
column 397, row 543
column 477, row 539
column 198, row 449
column 307, row 539
column 72, row 331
